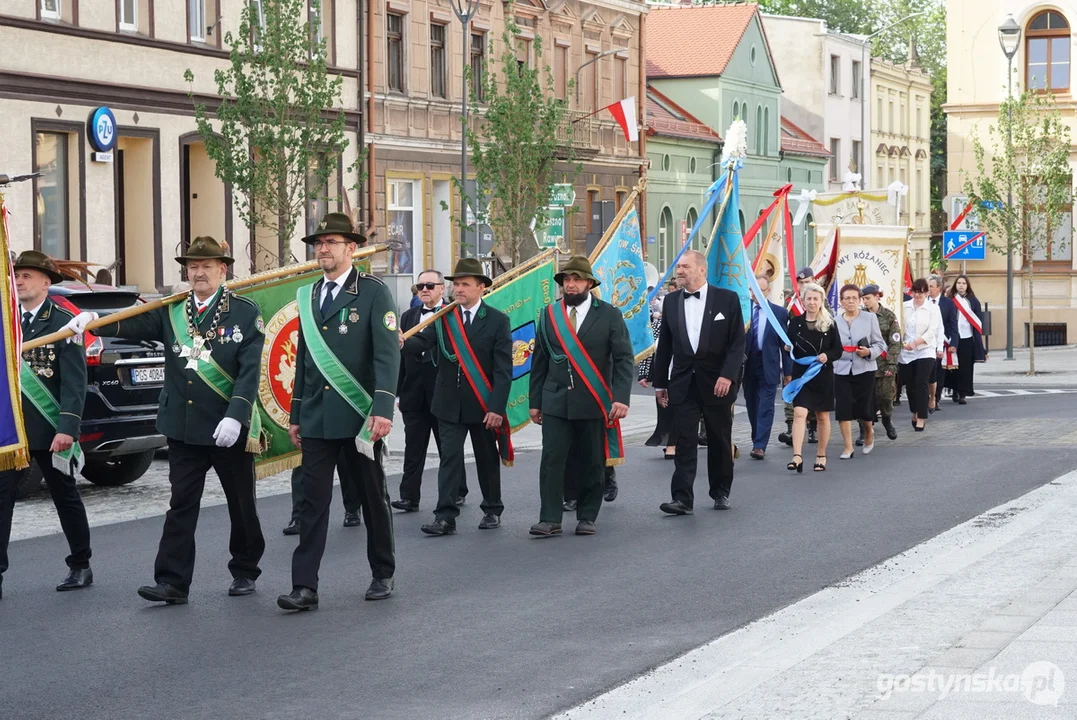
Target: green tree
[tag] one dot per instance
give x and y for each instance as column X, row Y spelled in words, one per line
column 514, row 148
column 275, row 136
column 1026, row 152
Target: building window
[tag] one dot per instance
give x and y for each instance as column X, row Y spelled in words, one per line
column 1047, row 52
column 835, row 75
column 51, row 9
column 856, row 159
column 51, row 201
column 904, row 122
column 196, row 17
column 478, row 62
column 258, row 17
column 835, row 159
column 919, row 118
column 590, row 82
column 437, row 61
column 523, row 53
column 891, row 126
column 621, row 196
column 691, row 219
column 766, row 131
column 758, row 129
column 665, row 163
column 129, row 15
column 404, row 216
column 620, row 78
column 692, row 166
column 857, row 80
column 320, row 17
column 322, row 199
column 879, row 111
column 560, row 72
column 665, row 238
column 394, row 38
column 1060, row 244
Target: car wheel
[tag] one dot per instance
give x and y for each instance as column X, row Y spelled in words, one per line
column 110, row 471
column 29, row 482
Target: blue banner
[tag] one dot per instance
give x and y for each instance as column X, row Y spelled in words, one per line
column 619, row 267
column 728, row 265
column 712, row 197
column 13, row 450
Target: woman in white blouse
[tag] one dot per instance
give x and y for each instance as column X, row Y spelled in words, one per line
column 923, row 323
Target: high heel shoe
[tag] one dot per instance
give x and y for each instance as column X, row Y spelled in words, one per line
column 846, row 456
column 918, row 428
column 793, row 465
column 820, row 466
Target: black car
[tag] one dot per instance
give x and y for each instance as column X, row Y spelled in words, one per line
column 118, row 434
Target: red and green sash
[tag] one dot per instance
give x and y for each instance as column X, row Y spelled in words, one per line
column 587, row 371
column 453, row 325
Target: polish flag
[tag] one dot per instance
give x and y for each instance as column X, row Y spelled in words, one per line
column 624, row 112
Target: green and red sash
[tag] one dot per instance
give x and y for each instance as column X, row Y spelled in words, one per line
column 587, row 371
column 453, row 325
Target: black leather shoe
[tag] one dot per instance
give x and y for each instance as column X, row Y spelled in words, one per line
column 610, row 492
column 293, row 528
column 241, row 586
column 299, row 599
column 439, row 527
column 675, row 508
column 163, row 592
column 961, row 400
column 569, row 506
column 405, row 505
column 461, row 500
column 489, row 522
column 585, row 527
column 891, row 431
column 76, row 580
column 380, row 588
column 351, row 519
column 722, row 503
column 546, row 529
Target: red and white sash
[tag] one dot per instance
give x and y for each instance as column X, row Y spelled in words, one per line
column 965, row 309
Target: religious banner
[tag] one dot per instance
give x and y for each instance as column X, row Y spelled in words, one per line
column 874, row 254
column 770, row 260
column 619, row 267
column 14, row 454
column 839, row 208
column 523, row 299
column 727, row 263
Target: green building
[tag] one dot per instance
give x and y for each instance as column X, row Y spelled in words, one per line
column 713, row 64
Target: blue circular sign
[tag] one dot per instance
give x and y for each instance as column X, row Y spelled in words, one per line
column 102, row 129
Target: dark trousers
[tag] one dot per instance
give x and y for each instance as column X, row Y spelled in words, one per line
column 915, row 377
column 68, row 504
column 418, row 426
column 187, row 468
column 451, row 474
column 573, row 460
column 759, row 398
column 319, row 458
column 349, row 488
column 609, row 475
column 940, row 379
column 965, row 365
column 718, row 420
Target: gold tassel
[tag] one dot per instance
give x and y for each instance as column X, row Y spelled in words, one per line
column 269, row 468
column 507, row 463
column 254, row 446
column 15, row 460
column 615, row 462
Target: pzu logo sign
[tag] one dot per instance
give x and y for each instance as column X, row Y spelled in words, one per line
column 102, row 130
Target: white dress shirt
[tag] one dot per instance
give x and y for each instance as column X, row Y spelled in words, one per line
column 474, row 310
column 964, row 327
column 581, row 312
column 201, row 305
column 921, row 322
column 693, row 315
column 33, row 312
column 339, row 279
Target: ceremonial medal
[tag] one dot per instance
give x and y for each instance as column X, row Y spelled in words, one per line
column 193, row 353
column 47, row 372
column 343, row 329
column 176, row 348
column 237, row 334
column 353, row 316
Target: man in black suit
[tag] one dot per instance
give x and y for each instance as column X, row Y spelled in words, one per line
column 765, row 364
column 471, row 393
column 948, row 310
column 415, row 392
column 702, row 336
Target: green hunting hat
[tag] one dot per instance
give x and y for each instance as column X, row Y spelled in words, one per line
column 205, row 248
column 336, row 224
column 577, row 265
column 469, row 267
column 34, row 260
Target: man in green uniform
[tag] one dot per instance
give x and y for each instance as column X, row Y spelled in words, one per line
column 213, row 354
column 53, row 382
column 888, row 363
column 581, row 384
column 347, row 360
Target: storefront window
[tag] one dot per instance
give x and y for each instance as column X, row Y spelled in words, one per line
column 51, row 200
column 405, row 218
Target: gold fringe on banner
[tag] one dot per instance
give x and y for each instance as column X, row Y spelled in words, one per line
column 272, row 467
column 846, row 196
column 15, row 460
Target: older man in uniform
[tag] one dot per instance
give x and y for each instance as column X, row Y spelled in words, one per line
column 213, row 353
column 581, row 384
column 347, row 361
column 890, row 328
column 53, row 382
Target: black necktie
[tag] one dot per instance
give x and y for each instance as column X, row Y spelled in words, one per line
column 467, row 318
column 692, row 294
column 327, row 301
column 26, row 318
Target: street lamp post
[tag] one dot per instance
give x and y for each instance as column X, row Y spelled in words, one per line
column 465, row 10
column 596, row 58
column 1009, row 38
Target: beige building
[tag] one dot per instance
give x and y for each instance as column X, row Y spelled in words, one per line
column 977, row 83
column 900, row 148
column 63, row 59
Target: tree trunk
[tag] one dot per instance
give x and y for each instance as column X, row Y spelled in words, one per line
column 283, row 241
column 1031, row 319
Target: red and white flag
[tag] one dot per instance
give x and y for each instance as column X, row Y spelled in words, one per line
column 624, row 112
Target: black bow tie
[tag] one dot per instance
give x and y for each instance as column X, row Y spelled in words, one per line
column 430, row 310
column 692, row 294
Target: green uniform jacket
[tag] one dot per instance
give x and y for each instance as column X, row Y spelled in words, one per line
column 190, row 409
column 605, row 338
column 891, row 332
column 490, row 335
column 369, row 348
column 68, row 381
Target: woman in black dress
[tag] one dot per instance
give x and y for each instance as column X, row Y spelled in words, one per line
column 813, row 334
column 970, row 347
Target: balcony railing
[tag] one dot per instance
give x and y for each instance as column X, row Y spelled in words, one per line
column 579, row 132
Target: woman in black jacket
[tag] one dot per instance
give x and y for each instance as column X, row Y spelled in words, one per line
column 970, row 347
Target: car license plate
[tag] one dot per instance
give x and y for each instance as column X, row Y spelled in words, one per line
column 141, row 376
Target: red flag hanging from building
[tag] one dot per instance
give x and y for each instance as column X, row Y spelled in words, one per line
column 624, row 112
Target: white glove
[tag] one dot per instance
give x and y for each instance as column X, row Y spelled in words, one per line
column 227, row 432
column 78, row 323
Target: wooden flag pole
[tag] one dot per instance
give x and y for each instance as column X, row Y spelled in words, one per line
column 629, row 203
column 255, row 279
column 721, row 209
column 500, row 280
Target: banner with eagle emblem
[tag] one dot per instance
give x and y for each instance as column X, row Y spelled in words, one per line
column 618, row 265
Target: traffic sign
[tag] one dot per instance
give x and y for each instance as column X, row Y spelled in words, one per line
column 562, row 195
column 964, row 245
column 554, row 230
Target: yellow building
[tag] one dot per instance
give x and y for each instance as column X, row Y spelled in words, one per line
column 900, row 148
column 977, row 83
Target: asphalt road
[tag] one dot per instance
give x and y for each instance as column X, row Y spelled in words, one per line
column 498, row 624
